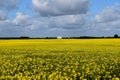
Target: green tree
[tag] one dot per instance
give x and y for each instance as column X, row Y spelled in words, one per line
column 116, row 36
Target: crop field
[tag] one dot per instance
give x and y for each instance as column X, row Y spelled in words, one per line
column 60, row 59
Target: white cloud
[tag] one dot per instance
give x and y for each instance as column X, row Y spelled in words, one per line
column 61, row 7
column 9, row 29
column 104, row 23
column 108, row 14
column 107, row 21
column 22, row 20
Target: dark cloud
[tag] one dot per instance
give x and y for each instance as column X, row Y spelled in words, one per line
column 68, row 21
column 9, row 4
column 61, row 7
column 3, row 15
column 2, row 3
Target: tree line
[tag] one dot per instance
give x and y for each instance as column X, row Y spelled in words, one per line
column 81, row 37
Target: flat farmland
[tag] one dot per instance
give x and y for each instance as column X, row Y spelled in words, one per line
column 60, row 59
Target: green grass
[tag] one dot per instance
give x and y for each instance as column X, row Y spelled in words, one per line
column 67, row 59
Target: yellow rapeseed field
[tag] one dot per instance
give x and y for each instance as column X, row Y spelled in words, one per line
column 60, row 59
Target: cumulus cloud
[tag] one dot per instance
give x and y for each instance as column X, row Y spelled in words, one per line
column 108, row 14
column 9, row 29
column 106, row 22
column 3, row 15
column 12, row 4
column 2, row 3
column 109, row 17
column 5, row 23
column 22, row 19
column 39, row 23
column 61, row 7
column 15, row 27
column 9, row 4
column 68, row 21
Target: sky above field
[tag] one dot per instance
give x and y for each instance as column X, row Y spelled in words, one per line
column 41, row 18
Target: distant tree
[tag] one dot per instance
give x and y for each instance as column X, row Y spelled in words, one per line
column 24, row 37
column 116, row 36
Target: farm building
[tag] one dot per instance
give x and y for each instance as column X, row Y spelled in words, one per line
column 59, row 37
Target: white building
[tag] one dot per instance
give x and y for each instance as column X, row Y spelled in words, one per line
column 59, row 37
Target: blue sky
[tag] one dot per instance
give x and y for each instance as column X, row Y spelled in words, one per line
column 98, row 5
column 41, row 18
